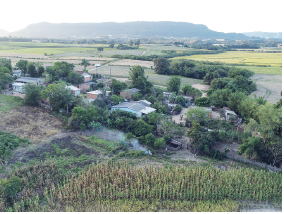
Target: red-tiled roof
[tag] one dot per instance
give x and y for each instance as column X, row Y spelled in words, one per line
column 80, row 72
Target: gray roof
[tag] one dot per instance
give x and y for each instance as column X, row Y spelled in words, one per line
column 27, row 79
column 132, row 90
column 89, row 83
column 131, row 105
column 144, row 102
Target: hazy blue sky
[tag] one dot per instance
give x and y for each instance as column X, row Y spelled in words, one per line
column 219, row 15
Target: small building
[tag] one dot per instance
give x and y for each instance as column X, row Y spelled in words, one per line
column 18, row 87
column 17, row 73
column 171, row 106
column 74, row 90
column 94, row 94
column 167, row 95
column 34, row 80
column 87, row 77
column 128, row 93
column 137, row 108
column 86, row 85
column 229, row 113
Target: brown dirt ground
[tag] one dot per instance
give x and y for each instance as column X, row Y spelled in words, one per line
column 30, row 122
column 266, row 82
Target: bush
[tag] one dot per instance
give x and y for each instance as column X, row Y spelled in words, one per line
column 202, row 102
column 150, row 139
column 129, row 136
column 217, row 155
column 9, row 188
column 178, row 108
column 159, row 143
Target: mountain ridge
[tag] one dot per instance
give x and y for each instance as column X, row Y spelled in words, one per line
column 137, row 29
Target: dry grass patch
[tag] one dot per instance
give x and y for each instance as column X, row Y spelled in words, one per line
column 30, row 122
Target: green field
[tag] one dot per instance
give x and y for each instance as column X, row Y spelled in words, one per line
column 9, row 102
column 263, row 70
column 241, row 57
column 123, row 71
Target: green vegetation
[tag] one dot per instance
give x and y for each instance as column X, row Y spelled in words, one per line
column 8, row 102
column 241, row 58
column 9, row 142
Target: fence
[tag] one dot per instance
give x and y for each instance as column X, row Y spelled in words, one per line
column 254, row 163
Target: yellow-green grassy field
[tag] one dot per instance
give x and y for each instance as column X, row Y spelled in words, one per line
column 241, row 57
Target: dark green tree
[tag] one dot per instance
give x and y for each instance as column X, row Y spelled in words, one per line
column 75, row 78
column 180, row 100
column 138, row 79
column 85, row 63
column 5, row 79
column 22, row 65
column 63, row 68
column 130, row 43
column 40, row 70
column 161, row 65
column 6, row 63
column 137, row 42
column 202, row 102
column 32, row 70
column 173, row 84
column 33, row 94
column 150, row 139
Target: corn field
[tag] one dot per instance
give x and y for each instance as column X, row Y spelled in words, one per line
column 119, row 180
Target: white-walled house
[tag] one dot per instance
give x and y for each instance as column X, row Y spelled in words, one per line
column 74, row 90
column 139, row 108
column 18, row 87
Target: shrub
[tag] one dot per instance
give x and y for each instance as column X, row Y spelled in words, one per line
column 150, row 139
column 129, row 136
column 10, row 187
column 159, row 143
column 178, row 108
column 202, row 102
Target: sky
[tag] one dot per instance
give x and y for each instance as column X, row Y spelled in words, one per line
column 218, row 15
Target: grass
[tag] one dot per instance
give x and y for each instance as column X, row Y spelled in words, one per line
column 241, row 57
column 263, row 70
column 9, row 102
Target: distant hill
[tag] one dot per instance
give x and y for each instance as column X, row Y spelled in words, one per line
column 3, row 33
column 277, row 35
column 126, row 29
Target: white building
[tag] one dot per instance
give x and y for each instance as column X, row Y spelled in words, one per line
column 74, row 90
column 18, row 87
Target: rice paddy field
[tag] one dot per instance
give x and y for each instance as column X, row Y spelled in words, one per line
column 241, row 57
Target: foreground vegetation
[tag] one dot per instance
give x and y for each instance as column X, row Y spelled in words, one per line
column 9, row 102
column 193, row 188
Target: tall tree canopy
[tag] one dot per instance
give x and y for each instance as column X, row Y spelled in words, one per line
column 173, row 84
column 63, row 68
column 161, row 65
column 85, row 63
column 137, row 76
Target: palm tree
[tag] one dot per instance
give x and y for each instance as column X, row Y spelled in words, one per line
column 85, row 63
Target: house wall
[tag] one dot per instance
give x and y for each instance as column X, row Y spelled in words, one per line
column 84, row 86
column 92, row 96
column 18, row 89
column 138, row 114
column 87, row 79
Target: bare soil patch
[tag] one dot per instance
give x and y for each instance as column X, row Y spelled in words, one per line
column 270, row 83
column 30, row 122
column 129, row 62
column 201, row 86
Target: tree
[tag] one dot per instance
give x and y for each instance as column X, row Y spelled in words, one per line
column 11, row 187
column 275, row 149
column 142, row 128
column 197, row 114
column 63, row 68
column 40, row 70
column 173, row 84
column 138, row 79
column 32, row 70
column 111, row 45
column 251, row 147
column 130, row 43
column 160, row 143
column 6, row 63
column 151, row 99
column 5, row 70
column 137, row 42
column 161, row 65
column 202, row 102
column 150, row 139
column 85, row 63
column 180, row 100
column 117, row 86
column 75, row 78
column 178, row 108
column 154, row 119
column 100, row 48
column 33, row 94
column 59, row 96
column 100, row 85
column 116, row 99
column 5, row 79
